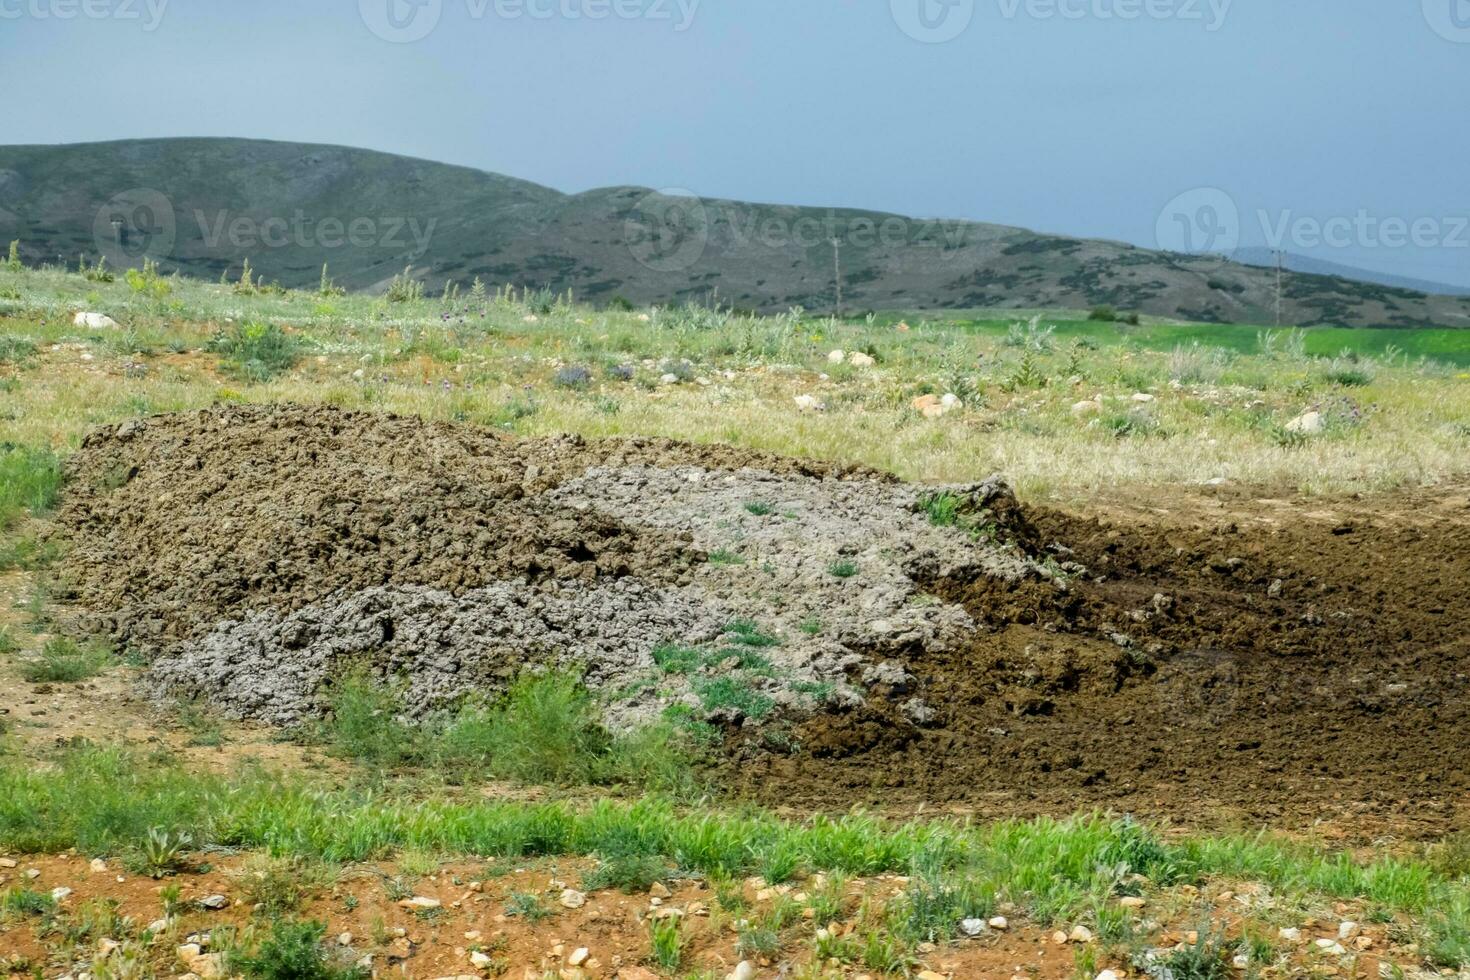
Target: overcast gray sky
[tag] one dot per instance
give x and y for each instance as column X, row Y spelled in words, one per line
column 1335, row 128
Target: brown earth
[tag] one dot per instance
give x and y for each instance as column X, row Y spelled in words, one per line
column 364, row 915
column 1227, row 660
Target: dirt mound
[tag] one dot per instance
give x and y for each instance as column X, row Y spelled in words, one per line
column 1242, row 668
column 254, row 554
column 181, row 520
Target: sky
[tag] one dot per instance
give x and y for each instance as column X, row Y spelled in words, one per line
column 1338, row 129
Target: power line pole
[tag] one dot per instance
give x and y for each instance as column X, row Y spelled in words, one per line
column 1280, row 258
column 837, row 270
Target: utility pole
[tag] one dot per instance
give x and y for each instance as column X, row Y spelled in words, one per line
column 837, row 271
column 1280, row 258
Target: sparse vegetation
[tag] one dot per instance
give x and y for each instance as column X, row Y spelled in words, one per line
column 256, row 352
column 62, row 660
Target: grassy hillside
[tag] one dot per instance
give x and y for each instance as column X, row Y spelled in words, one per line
column 204, row 206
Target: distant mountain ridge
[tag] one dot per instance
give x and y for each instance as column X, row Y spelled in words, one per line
column 1265, row 257
column 204, row 206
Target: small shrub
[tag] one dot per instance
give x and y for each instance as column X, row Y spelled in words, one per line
column 147, row 281
column 942, row 509
column 630, row 873
column 20, row 902
column 160, row 853
column 1103, row 314
column 572, row 377
column 273, row 886
column 98, row 272
column 63, row 661
column 13, row 262
column 668, row 943
column 256, row 352
column 293, row 951
column 842, row 569
column 405, row 288
column 758, row 508
column 524, row 905
column 29, row 481
column 755, row 941
column 674, row 659
column 14, row 350
column 1208, row 959
column 734, row 693
column 723, row 556
column 363, row 723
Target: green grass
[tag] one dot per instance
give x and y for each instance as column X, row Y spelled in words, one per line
column 544, row 731
column 30, row 479
column 294, row 950
column 102, row 800
column 667, row 939
column 64, row 661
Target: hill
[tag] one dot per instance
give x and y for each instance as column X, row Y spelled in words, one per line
column 204, row 206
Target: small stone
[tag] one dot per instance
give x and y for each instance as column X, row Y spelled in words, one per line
column 344, row 939
column 859, row 359
column 480, row 961
column 1307, row 424
column 1291, row 934
column 190, row 951
column 1143, row 398
column 1331, row 946
column 1347, row 930
column 106, row 947
column 999, row 923
column 33, row 873
column 473, row 936
column 60, row 893
column 572, row 899
column 744, row 970
column 579, row 956
column 836, row 357
column 1059, row 937
column 1080, row 934
column 931, row 975
column 659, row 890
column 809, row 403
column 1108, row 975
column 1132, row 902
column 98, row 866
column 94, row 321
column 7, row 862
column 972, row 927
column 157, row 926
column 1363, row 942
column 214, row 902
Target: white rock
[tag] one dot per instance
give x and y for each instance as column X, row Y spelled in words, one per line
column 344, row 939
column 809, row 403
column 157, row 926
column 94, row 321
column 215, row 902
column 1331, row 946
column 1241, row 961
column 59, row 893
column 972, row 927
column 420, row 902
column 1347, row 930
column 1000, row 923
column 858, row 359
column 7, row 862
column 1143, row 398
column 744, row 970
column 579, row 956
column 572, row 899
column 480, row 961
column 669, row 379
column 1307, row 424
column 1086, row 408
column 1080, row 934
column 1291, row 934
column 836, row 357
column 951, row 402
column 1108, row 975
column 98, row 866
